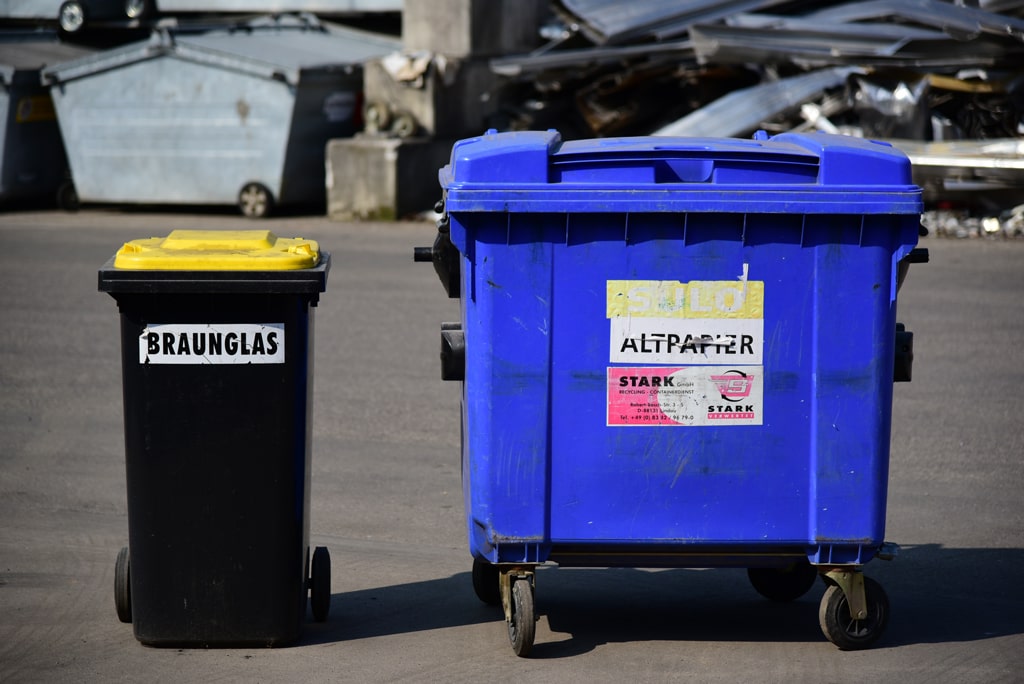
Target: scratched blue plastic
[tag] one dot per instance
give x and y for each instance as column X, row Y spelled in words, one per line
column 542, row 225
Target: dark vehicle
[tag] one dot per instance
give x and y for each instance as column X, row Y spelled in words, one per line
column 76, row 15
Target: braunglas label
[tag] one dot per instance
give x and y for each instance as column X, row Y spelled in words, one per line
column 212, row 343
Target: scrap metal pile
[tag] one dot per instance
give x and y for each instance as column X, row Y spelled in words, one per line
column 944, row 82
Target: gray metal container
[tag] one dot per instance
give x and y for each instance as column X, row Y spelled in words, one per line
column 32, row 160
column 239, row 115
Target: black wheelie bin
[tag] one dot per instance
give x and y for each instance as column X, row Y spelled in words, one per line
column 217, row 365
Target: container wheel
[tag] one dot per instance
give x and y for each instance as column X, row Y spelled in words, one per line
column 137, row 9
column 376, row 117
column 783, row 584
column 842, row 629
column 320, row 584
column 123, row 586
column 255, row 200
column 67, row 196
column 522, row 625
column 486, row 582
column 71, row 16
column 404, row 125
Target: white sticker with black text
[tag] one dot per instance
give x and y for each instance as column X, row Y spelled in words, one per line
column 212, row 343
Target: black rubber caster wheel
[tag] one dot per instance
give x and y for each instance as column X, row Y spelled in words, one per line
column 320, row 584
column 522, row 628
column 783, row 584
column 842, row 629
column 486, row 582
column 123, row 586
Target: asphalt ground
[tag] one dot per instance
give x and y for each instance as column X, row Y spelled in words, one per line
column 386, row 499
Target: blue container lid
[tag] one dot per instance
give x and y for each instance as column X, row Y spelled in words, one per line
column 817, row 173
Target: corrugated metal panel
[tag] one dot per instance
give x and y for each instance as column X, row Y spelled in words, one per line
column 954, row 19
column 808, row 43
column 872, row 31
column 561, row 59
column 615, row 21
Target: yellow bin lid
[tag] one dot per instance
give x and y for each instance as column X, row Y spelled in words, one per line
column 218, row 250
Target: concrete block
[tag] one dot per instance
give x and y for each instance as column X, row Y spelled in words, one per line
column 383, row 179
column 478, row 28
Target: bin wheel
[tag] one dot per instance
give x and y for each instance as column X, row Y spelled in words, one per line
column 376, row 117
column 486, row 582
column 255, row 200
column 320, row 584
column 783, row 584
column 71, row 17
column 404, row 125
column 842, row 629
column 123, row 586
column 522, row 625
column 67, row 196
column 138, row 9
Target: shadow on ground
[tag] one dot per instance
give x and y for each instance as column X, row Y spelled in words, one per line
column 937, row 595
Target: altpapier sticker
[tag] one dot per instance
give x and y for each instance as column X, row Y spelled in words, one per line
column 682, row 396
column 211, row 343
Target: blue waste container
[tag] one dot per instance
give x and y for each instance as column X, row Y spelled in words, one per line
column 678, row 352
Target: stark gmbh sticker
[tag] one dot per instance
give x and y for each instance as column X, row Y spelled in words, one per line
column 689, row 395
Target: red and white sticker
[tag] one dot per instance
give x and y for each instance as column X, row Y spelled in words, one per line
column 687, row 395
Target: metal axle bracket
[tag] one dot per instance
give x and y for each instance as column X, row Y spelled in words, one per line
column 506, row 576
column 851, row 582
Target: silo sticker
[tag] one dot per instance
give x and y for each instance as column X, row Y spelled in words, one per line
column 698, row 322
column 212, row 343
column 690, row 395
